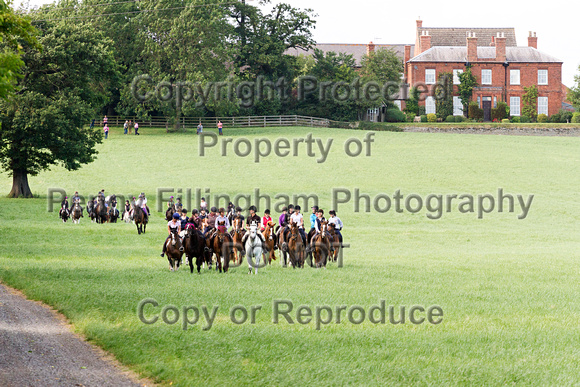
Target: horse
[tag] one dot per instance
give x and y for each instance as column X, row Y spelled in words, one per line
column 334, row 242
column 64, row 214
column 194, row 246
column 237, row 234
column 140, row 218
column 113, row 214
column 169, row 213
column 174, row 251
column 76, row 213
column 253, row 249
column 320, row 246
column 222, row 248
column 127, row 216
column 91, row 210
column 270, row 245
column 296, row 247
column 101, row 212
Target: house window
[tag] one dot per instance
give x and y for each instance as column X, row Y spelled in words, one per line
column 486, row 77
column 514, row 77
column 543, row 105
column 515, row 106
column 373, row 114
column 456, row 76
column 478, row 101
column 430, row 105
column 542, row 77
column 430, row 76
column 397, row 103
column 494, row 101
column 457, row 106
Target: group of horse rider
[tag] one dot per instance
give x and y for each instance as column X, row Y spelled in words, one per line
column 208, row 224
column 107, row 200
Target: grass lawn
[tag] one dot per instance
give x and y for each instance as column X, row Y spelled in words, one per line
column 509, row 288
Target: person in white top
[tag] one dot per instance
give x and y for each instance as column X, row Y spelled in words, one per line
column 173, row 226
column 222, row 218
column 297, row 218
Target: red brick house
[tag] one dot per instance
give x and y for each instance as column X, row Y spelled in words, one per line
column 502, row 69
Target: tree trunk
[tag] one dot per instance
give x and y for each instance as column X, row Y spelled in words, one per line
column 20, row 187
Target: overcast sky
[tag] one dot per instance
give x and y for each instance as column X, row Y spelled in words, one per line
column 393, row 22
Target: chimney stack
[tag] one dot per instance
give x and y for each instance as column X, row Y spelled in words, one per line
column 471, row 47
column 500, row 50
column 425, row 41
column 533, row 40
column 370, row 48
column 407, row 58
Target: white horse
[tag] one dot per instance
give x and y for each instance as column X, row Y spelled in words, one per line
column 253, row 248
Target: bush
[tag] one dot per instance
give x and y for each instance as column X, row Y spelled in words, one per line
column 449, row 119
column 340, row 124
column 421, row 111
column 515, row 120
column 423, row 118
column 500, row 112
column 576, row 118
column 542, row 118
column 431, row 117
column 505, row 121
column 378, row 126
column 525, row 119
column 411, row 117
column 459, row 118
column 395, row 115
column 475, row 112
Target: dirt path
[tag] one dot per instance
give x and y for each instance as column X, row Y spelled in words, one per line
column 37, row 348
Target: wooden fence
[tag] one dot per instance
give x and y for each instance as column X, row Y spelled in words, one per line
column 244, row 121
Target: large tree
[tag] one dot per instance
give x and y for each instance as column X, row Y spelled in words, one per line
column 63, row 85
column 574, row 94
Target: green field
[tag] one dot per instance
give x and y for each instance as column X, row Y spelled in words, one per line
column 509, row 288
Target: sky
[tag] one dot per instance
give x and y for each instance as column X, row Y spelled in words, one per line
column 393, row 22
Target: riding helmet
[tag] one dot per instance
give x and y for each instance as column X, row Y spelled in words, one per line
column 267, row 212
column 222, row 209
column 253, row 208
column 213, row 209
column 284, row 209
column 175, row 215
column 239, row 209
column 332, row 212
column 297, row 208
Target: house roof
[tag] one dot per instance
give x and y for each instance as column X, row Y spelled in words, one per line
column 458, row 36
column 459, row 54
column 356, row 50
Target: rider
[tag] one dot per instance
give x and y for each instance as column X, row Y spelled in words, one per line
column 253, row 219
column 173, row 226
column 318, row 224
column 239, row 214
column 76, row 199
column 211, row 220
column 337, row 224
column 312, row 221
column 203, row 205
column 266, row 219
column 297, row 218
column 170, row 203
column 222, row 218
column 184, row 219
column 64, row 206
column 178, row 205
column 127, row 208
column 142, row 202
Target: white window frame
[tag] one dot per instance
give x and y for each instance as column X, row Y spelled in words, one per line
column 456, row 73
column 430, row 107
column 372, row 114
column 430, row 76
column 543, row 105
column 542, row 77
column 515, row 80
column 515, row 106
column 485, row 73
column 457, row 106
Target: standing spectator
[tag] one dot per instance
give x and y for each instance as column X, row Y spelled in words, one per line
column 106, row 129
column 136, row 128
column 126, row 126
column 105, row 120
column 220, row 126
column 199, row 128
column 92, row 124
column 130, row 126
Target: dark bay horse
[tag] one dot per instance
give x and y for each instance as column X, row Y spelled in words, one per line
column 101, row 212
column 320, row 246
column 223, row 248
column 139, row 218
column 334, row 242
column 295, row 247
column 91, row 210
column 113, row 214
column 169, row 213
column 64, row 214
column 174, row 251
column 194, row 247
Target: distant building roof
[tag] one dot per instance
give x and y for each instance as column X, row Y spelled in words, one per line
column 459, row 54
column 458, row 36
column 356, row 50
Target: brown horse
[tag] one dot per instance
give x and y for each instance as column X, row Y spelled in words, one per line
column 139, row 218
column 295, row 247
column 76, row 213
column 222, row 248
column 270, row 244
column 174, row 251
column 334, row 242
column 169, row 213
column 101, row 212
column 194, row 246
column 320, row 246
column 237, row 234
